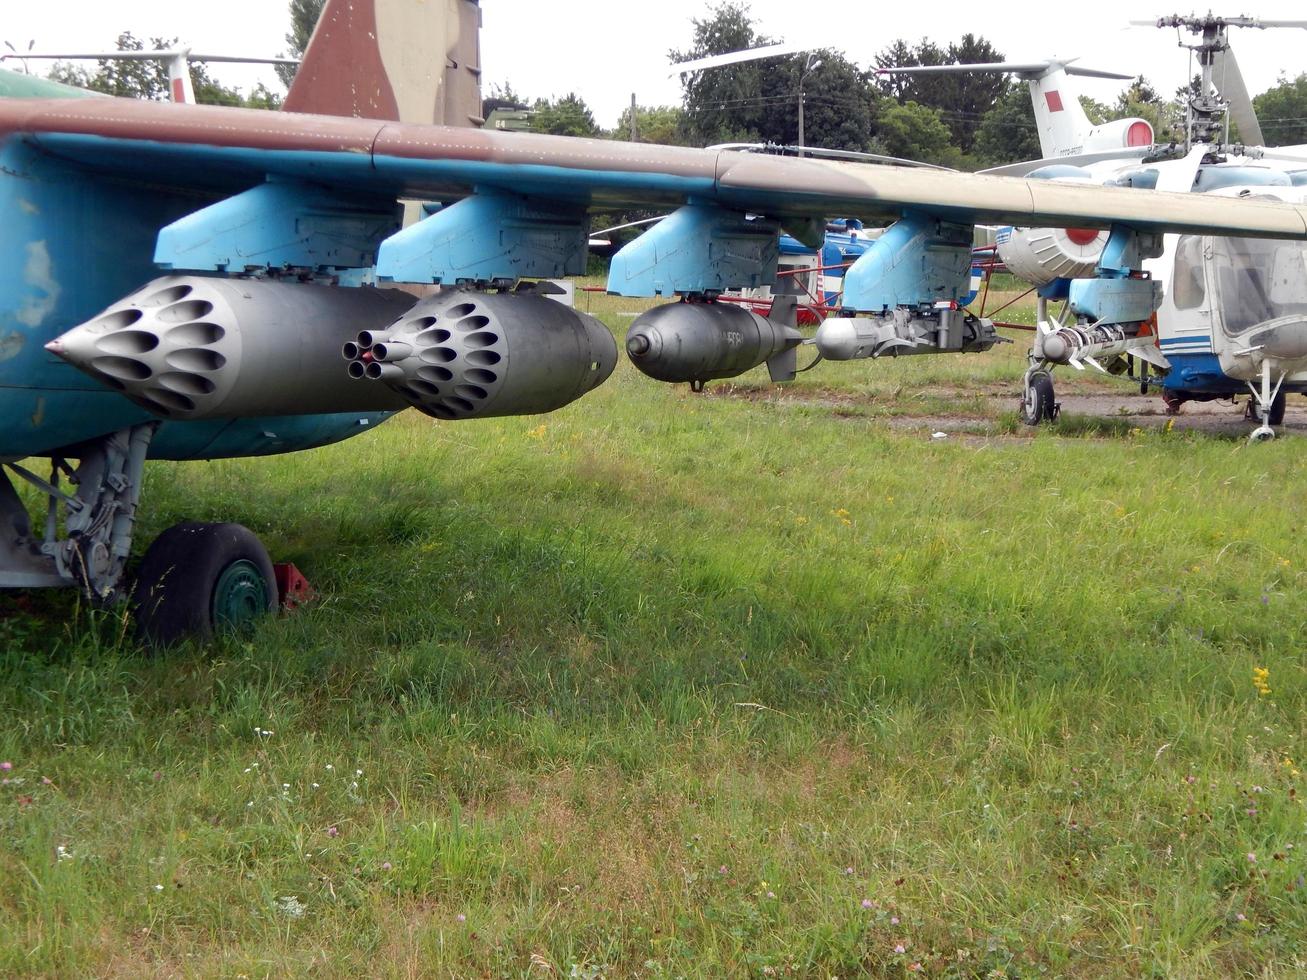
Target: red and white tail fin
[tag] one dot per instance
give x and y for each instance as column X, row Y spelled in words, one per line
column 1064, row 129
column 413, row 61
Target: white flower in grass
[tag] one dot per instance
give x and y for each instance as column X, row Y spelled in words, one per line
column 291, row 907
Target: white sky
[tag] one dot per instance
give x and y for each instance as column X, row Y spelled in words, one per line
column 606, row 49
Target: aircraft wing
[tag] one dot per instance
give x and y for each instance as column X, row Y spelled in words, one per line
column 226, row 148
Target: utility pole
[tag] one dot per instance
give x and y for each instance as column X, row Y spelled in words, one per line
column 635, row 125
column 813, row 62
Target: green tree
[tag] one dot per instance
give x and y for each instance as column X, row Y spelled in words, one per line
column 1282, row 111
column 1008, row 132
column 304, row 15
column 663, row 124
column 1096, row 112
column 568, row 116
column 962, row 99
column 1141, row 100
column 915, row 132
column 838, row 102
column 730, row 103
column 148, row 79
column 125, row 79
column 758, row 101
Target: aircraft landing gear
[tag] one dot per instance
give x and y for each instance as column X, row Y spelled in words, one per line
column 1037, row 400
column 1037, row 404
column 195, row 580
column 1266, row 406
column 99, row 514
column 199, row 579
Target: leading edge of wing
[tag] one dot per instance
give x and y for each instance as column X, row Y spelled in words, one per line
column 414, row 159
column 833, row 187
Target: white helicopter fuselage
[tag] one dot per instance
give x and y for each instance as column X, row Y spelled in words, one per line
column 1229, row 305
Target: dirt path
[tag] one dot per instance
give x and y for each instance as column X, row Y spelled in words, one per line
column 1107, row 410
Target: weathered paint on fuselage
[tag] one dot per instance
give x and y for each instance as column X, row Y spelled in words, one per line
column 76, row 242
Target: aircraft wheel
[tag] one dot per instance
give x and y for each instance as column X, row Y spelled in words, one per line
column 1276, row 416
column 199, row 579
column 1037, row 405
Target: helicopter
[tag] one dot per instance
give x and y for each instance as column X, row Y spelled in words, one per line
column 1232, row 314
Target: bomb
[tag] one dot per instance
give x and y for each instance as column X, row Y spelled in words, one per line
column 706, row 341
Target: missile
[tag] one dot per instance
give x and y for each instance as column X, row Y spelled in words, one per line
column 465, row 354
column 1078, row 346
column 192, row 347
column 698, row 341
column 904, row 331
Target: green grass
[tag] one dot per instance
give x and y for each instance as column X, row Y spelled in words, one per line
column 669, row 685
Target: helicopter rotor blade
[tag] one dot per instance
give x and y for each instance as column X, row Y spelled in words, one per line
column 1229, row 82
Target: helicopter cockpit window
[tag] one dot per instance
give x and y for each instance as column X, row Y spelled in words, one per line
column 1189, row 288
column 1258, row 280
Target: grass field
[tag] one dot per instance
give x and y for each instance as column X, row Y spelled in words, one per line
column 671, row 685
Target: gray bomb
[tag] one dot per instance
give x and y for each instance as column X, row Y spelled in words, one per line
column 698, row 342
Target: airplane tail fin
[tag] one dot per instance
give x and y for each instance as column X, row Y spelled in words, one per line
column 382, row 59
column 1064, row 128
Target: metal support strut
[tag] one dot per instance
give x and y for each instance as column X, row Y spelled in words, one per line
column 1265, row 398
column 99, row 517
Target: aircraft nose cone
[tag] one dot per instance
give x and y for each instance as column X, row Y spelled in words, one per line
column 77, row 346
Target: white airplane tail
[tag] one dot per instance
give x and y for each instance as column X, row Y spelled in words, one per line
column 1064, row 129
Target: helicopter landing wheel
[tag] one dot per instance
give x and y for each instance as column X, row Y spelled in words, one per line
column 1037, row 404
column 200, row 579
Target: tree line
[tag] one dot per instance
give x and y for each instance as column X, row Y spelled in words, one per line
column 962, row 121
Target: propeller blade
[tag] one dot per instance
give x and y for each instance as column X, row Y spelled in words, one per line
column 1152, row 354
column 735, row 57
column 1179, row 175
column 1229, row 82
column 1274, row 153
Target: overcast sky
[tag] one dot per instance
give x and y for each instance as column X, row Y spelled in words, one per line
column 606, row 49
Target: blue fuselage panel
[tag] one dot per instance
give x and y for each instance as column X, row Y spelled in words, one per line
column 74, row 242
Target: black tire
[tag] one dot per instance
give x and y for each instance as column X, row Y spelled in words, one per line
column 1277, row 408
column 176, row 595
column 1037, row 405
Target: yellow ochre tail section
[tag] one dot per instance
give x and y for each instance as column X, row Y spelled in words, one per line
column 413, row 61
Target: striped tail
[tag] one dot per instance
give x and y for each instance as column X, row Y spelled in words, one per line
column 382, row 59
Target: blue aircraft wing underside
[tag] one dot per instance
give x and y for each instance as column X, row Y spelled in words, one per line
column 84, row 211
column 84, row 239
